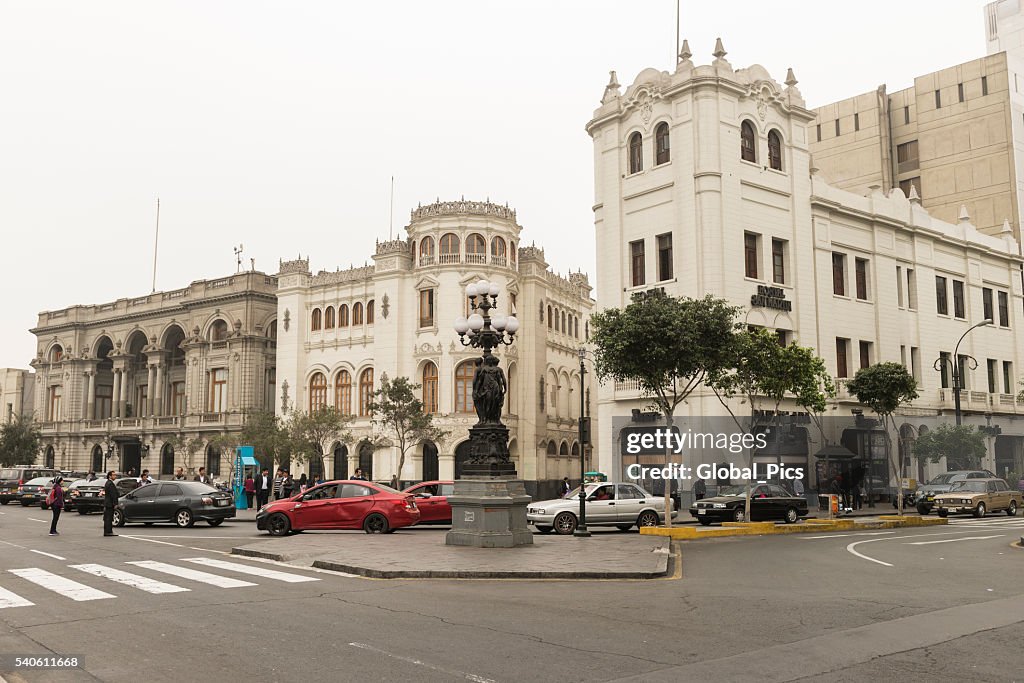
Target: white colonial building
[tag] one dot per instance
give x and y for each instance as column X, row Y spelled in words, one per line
column 705, row 184
column 342, row 330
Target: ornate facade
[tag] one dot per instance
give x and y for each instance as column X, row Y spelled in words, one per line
column 342, row 330
column 116, row 381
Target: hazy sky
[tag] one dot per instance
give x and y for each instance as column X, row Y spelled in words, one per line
column 279, row 124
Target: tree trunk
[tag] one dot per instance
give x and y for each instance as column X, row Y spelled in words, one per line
column 668, row 482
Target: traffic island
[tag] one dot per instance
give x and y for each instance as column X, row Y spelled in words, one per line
column 808, row 526
column 422, row 554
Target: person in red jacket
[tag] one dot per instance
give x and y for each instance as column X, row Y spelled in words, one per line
column 56, row 503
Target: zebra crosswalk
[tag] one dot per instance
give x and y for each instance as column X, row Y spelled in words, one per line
column 992, row 522
column 66, row 587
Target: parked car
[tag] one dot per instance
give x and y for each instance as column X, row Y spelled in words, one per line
column 16, row 475
column 622, row 505
column 347, row 504
column 924, row 499
column 89, row 495
column 432, row 501
column 181, row 502
column 978, row 497
column 34, row 491
column 767, row 502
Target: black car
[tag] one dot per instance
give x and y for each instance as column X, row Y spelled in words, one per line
column 15, row 476
column 87, row 496
column 767, row 502
column 181, row 502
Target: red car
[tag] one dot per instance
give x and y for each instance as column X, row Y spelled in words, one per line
column 374, row 508
column 432, row 500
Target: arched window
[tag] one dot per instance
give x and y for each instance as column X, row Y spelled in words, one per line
column 552, row 448
column 357, row 314
column 563, row 449
column 775, row 150
column 329, row 318
column 476, row 249
column 369, row 312
column 748, row 142
column 365, row 391
column 564, row 329
column 343, row 315
column 166, row 461
column 272, row 330
column 661, row 144
column 427, row 251
column 213, row 460
column 314, row 323
column 97, row 458
column 343, row 392
column 219, row 331
column 430, row 388
column 464, row 387
column 636, row 153
column 498, row 251
column 575, row 448
column 550, row 325
column 56, row 353
column 449, row 248
column 317, row 392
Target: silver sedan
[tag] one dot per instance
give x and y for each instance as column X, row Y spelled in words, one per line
column 622, row 505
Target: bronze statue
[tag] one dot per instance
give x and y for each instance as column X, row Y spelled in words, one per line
column 489, row 388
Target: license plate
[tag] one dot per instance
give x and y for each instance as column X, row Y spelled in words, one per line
column 221, row 502
column 701, row 511
column 89, row 494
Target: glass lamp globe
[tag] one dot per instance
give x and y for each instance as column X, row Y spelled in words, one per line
column 461, row 325
column 471, row 290
column 476, row 322
column 482, row 286
column 498, row 322
column 494, row 289
column 512, row 324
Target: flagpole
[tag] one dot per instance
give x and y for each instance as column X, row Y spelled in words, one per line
column 676, row 55
column 156, row 241
column 391, row 215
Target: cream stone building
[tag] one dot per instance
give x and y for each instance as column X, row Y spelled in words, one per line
column 342, row 330
column 115, row 381
column 705, row 184
column 16, row 393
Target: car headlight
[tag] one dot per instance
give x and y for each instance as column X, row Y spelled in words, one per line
column 719, row 505
column 539, row 511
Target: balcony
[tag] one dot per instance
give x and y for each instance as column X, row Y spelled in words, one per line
column 448, row 259
column 135, row 425
column 499, row 260
column 480, row 259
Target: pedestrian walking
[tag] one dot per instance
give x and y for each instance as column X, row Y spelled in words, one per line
column 303, row 483
column 394, row 481
column 203, row 477
column 264, row 485
column 145, row 478
column 179, row 475
column 110, row 496
column 700, row 489
column 92, row 476
column 287, row 486
column 249, row 486
column 358, row 476
column 56, row 502
column 278, row 480
column 798, row 488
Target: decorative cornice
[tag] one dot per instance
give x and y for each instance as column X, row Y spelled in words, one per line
column 297, row 266
column 393, row 247
column 342, row 276
column 461, row 207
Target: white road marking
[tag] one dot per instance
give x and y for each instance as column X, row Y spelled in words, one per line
column 13, row 544
column 9, row 599
column 129, row 579
column 44, row 521
column 78, row 592
column 56, row 557
column 192, row 574
column 246, row 569
column 150, row 540
column 418, row 662
column 850, row 548
column 955, row 540
column 810, row 537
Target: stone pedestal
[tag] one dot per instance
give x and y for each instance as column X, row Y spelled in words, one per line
column 489, row 512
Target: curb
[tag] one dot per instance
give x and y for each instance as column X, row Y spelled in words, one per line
column 448, row 574
column 806, row 527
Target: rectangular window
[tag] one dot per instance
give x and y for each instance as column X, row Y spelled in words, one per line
column 218, row 390
column 906, row 114
column 665, row 256
column 984, row 85
column 905, row 185
column 959, row 309
column 636, row 262
column 856, row 122
column 938, row 99
column 961, row 362
column 178, row 398
column 941, row 296
column 1004, row 309
column 915, row 363
column 837, row 127
column 911, row 290
column 750, row 257
column 842, row 368
column 908, row 157
column 779, row 261
column 104, row 401
column 861, row 267
column 993, row 375
column 839, row 275
column 960, row 91
column 783, row 337
column 944, row 369
column 1007, row 377
column 512, row 307
column 903, row 357
column 426, row 308
column 865, row 354
column 819, row 132
column 986, row 303
column 53, row 414
column 899, row 286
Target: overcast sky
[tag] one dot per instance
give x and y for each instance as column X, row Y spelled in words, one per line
column 278, row 125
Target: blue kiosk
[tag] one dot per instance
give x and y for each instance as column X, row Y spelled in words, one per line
column 245, row 463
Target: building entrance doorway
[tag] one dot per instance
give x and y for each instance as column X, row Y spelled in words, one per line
column 131, row 458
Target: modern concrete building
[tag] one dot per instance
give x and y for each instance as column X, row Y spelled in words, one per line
column 16, row 393
column 342, row 330
column 704, row 184
column 116, row 381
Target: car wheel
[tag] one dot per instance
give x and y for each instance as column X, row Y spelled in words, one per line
column 25, row 504
column 1012, row 508
column 565, row 523
column 183, row 518
column 118, row 518
column 544, row 529
column 980, row 510
column 923, row 510
column 278, row 524
column 82, row 512
column 4, row 502
column 214, row 522
column 647, row 518
column 705, row 522
column 791, row 515
column 623, row 527
column 376, row 524
column 942, row 513
column 739, row 515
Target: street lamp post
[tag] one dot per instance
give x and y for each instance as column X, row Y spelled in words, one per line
column 581, row 528
column 954, row 364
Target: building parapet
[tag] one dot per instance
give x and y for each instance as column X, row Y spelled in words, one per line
column 484, row 208
column 393, row 247
column 299, row 266
column 325, row 277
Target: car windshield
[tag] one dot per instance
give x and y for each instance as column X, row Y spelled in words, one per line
column 740, row 491
column 575, row 493
column 386, row 489
column 38, row 481
column 974, row 486
column 942, row 479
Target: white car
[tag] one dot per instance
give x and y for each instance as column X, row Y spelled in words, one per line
column 621, row 505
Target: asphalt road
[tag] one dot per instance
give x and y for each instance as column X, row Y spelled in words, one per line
column 947, row 600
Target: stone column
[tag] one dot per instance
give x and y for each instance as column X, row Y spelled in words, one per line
column 150, row 390
column 157, row 395
column 122, row 405
column 115, row 409
column 90, row 395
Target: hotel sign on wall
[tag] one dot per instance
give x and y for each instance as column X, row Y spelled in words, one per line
column 771, row 297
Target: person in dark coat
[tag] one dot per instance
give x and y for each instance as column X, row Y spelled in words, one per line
column 264, row 485
column 57, row 504
column 287, row 486
column 700, row 489
column 110, row 496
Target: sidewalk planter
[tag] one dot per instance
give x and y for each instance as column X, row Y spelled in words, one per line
column 809, row 526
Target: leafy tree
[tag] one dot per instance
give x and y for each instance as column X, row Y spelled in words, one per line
column 399, row 418
column 962, row 446
column 884, row 387
column 269, row 437
column 764, row 373
column 667, row 345
column 310, row 432
column 20, row 441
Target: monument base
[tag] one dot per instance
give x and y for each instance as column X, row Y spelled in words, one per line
column 489, row 511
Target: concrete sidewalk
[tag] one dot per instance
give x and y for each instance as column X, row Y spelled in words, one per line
column 422, row 554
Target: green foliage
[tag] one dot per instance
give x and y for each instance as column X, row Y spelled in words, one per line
column 309, row 433
column 962, row 446
column 269, row 437
column 883, row 387
column 399, row 418
column 20, row 441
column 668, row 345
